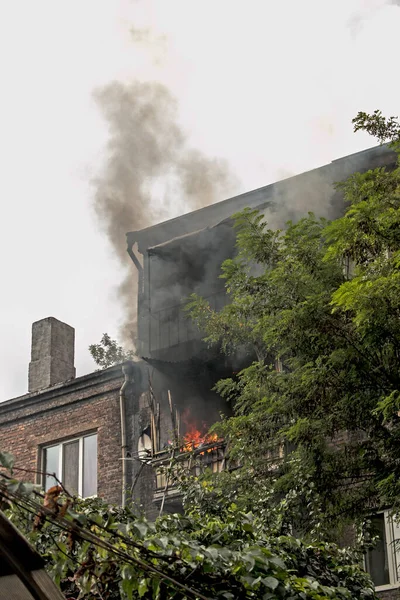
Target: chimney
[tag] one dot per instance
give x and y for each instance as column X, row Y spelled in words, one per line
column 52, row 354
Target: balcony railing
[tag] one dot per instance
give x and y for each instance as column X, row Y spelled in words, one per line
column 168, row 465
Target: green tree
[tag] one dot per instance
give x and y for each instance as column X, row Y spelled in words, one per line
column 93, row 550
column 320, row 301
column 108, row 352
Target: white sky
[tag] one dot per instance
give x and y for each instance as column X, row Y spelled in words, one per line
column 271, row 86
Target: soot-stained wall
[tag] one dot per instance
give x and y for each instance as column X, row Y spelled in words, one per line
column 190, row 385
column 183, row 255
column 173, row 271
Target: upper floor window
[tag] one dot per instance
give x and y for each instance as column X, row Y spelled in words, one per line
column 74, row 462
column 381, row 562
column 348, row 267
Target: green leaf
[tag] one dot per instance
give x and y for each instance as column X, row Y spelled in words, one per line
column 142, row 528
column 27, row 488
column 143, row 587
column 271, row 582
column 128, row 585
column 14, row 485
column 6, row 460
column 127, row 572
column 156, row 588
column 277, row 561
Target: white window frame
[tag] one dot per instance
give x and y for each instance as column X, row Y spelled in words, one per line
column 62, row 443
column 349, row 266
column 392, row 534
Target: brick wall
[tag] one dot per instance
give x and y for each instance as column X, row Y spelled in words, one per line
column 89, row 403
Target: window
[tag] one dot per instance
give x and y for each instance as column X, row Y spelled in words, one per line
column 348, row 267
column 74, row 462
column 381, row 562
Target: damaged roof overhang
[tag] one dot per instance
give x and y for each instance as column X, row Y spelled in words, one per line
column 209, row 216
column 197, row 238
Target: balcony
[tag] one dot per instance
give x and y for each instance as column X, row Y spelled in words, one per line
column 167, row 466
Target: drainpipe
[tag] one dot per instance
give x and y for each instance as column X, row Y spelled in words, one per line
column 135, row 259
column 127, row 370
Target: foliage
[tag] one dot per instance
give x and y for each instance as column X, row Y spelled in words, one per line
column 108, row 353
column 384, row 129
column 319, row 304
column 93, row 550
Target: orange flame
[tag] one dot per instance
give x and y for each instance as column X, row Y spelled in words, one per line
column 194, row 439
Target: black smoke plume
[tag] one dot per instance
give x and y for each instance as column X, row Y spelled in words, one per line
column 146, row 148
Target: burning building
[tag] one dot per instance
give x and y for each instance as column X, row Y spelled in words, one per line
column 183, row 256
column 112, row 432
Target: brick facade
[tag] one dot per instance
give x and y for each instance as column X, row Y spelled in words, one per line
column 91, row 404
column 83, row 405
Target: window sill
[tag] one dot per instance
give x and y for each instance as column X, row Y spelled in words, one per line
column 387, row 587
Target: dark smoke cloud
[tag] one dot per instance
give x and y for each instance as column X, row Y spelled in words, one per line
column 147, row 146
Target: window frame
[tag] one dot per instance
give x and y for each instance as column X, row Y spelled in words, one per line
column 392, row 534
column 62, row 443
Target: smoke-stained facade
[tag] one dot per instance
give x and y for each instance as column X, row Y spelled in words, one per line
column 184, row 255
column 112, row 432
column 168, row 393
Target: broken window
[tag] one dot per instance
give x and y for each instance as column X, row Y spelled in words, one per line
column 74, row 463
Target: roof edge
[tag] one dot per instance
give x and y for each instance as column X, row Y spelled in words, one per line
column 108, row 374
column 140, row 235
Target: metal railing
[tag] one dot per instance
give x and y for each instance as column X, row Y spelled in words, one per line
column 167, row 466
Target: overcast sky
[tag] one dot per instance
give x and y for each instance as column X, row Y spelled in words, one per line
column 271, row 86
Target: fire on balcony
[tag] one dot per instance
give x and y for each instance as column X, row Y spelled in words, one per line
column 192, row 451
column 193, row 461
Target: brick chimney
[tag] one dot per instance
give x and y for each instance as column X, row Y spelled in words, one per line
column 52, row 354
